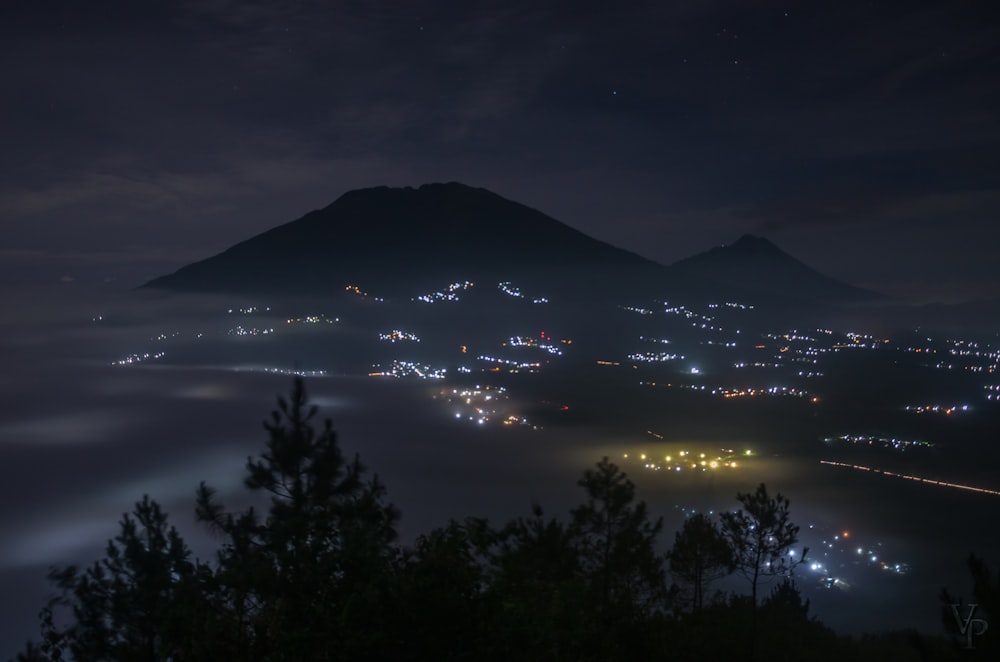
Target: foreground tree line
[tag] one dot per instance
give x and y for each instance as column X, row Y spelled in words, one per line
column 320, row 576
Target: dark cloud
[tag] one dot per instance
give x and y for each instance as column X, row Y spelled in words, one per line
column 865, row 188
column 197, row 124
column 139, row 136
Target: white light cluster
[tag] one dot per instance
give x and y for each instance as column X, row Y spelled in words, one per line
column 507, row 288
column 654, row 357
column 936, row 409
column 243, row 331
column 881, row 442
column 842, row 548
column 860, row 341
column 312, row 319
column 409, row 369
column 249, row 310
column 637, row 309
column 482, row 405
column 511, row 290
column 132, row 359
column 512, row 366
column 523, row 341
column 966, row 355
column 732, row 304
column 754, row 392
column 396, row 335
column 271, row 370
column 450, row 293
column 686, row 313
column 792, row 335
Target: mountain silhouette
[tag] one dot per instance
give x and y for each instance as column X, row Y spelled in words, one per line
column 759, row 269
column 401, row 241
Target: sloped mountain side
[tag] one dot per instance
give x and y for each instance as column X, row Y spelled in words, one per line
column 756, row 265
column 400, row 241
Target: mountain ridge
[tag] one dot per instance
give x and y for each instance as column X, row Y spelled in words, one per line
column 757, row 264
column 438, row 231
column 401, row 239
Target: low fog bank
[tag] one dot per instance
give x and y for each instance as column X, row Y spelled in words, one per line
column 82, row 439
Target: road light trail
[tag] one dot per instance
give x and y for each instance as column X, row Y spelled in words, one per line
column 929, row 481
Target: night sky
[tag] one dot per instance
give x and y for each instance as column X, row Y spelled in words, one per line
column 139, row 136
column 861, row 137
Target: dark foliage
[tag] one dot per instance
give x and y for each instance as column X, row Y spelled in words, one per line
column 701, row 554
column 318, row 575
column 141, row 602
column 760, row 535
column 310, row 578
